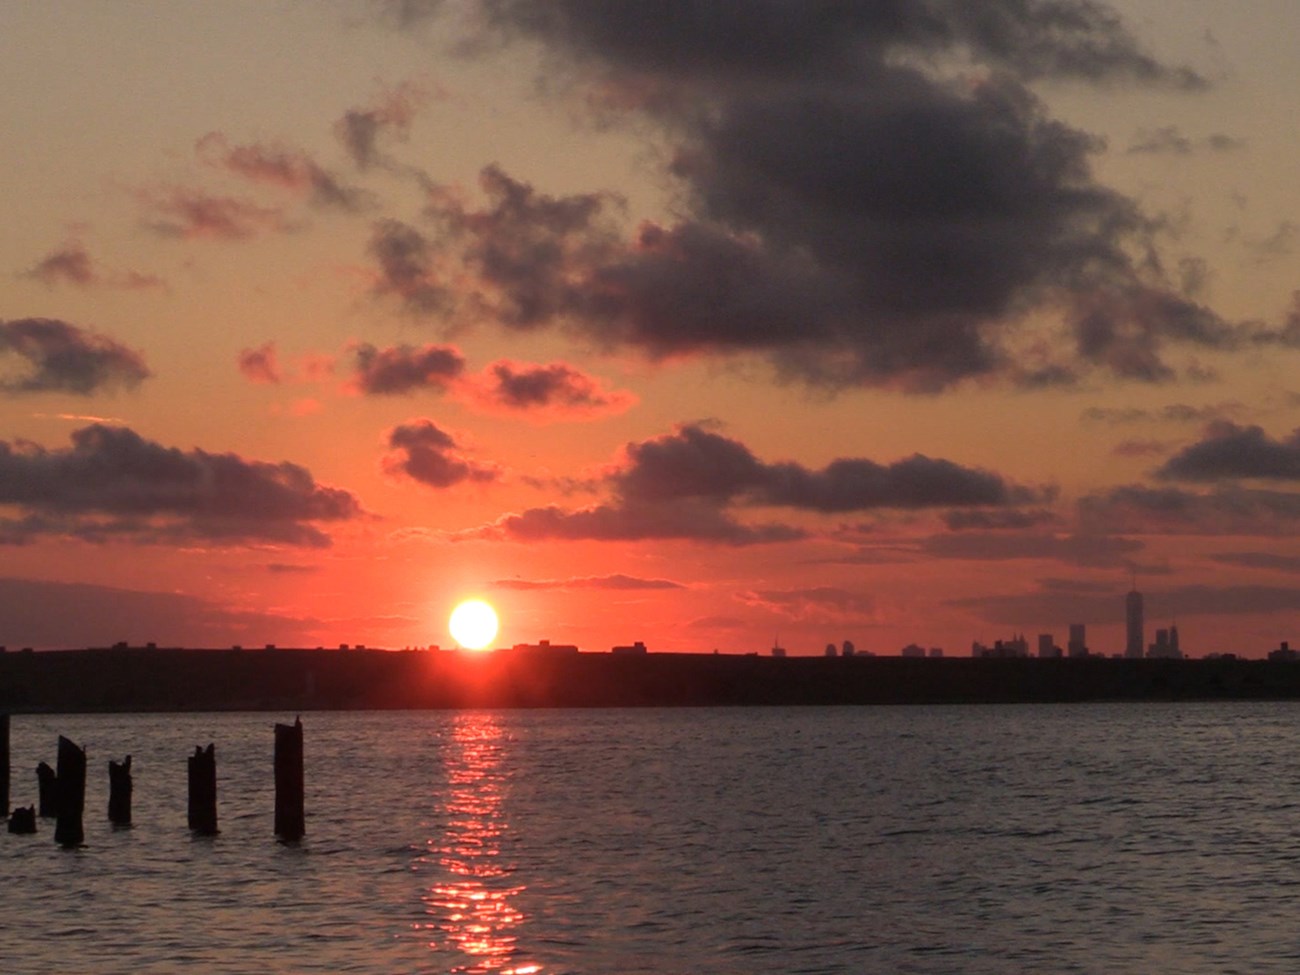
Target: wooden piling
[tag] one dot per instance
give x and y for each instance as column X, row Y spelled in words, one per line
column 47, row 782
column 70, row 791
column 23, row 820
column 289, row 817
column 203, row 791
column 4, row 764
column 119, row 792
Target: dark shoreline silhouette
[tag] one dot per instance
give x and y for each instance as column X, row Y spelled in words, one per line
column 163, row 679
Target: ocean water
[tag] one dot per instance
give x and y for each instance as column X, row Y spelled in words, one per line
column 993, row 839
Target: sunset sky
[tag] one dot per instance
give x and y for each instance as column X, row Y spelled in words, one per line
column 706, row 324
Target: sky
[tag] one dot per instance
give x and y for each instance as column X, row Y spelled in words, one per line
column 708, row 324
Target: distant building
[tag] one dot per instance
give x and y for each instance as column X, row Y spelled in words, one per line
column 778, row 651
column 848, row 649
column 1136, row 642
column 1078, row 645
column 545, row 646
column 1284, row 652
column 831, row 651
column 936, row 652
column 1017, row 646
column 1047, row 647
column 1166, row 645
column 913, row 650
column 634, row 649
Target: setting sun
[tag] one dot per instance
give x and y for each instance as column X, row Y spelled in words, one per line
column 474, row 624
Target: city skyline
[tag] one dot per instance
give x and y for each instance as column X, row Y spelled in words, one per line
column 689, row 324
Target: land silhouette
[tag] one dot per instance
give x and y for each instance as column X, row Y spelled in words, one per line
column 173, row 679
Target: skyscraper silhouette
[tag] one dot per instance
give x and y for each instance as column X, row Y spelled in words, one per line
column 1133, row 618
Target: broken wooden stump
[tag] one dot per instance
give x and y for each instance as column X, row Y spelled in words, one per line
column 119, row 792
column 47, row 782
column 203, row 791
column 70, row 793
column 289, row 818
column 4, row 764
column 23, row 820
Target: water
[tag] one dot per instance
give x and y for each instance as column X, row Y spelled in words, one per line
column 1093, row 838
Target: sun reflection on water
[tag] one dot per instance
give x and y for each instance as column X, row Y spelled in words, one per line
column 471, row 905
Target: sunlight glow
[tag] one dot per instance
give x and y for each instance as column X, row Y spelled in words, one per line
column 474, row 624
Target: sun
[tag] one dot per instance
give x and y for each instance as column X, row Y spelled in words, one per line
column 474, row 624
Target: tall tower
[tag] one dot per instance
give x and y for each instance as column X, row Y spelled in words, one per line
column 1133, row 618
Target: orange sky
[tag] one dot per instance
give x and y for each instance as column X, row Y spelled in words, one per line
column 707, row 325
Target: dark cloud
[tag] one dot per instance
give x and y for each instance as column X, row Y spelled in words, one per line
column 1227, row 510
column 869, row 194
column 290, row 169
column 688, row 520
column 694, row 462
column 408, row 269
column 113, row 483
column 403, row 369
column 555, row 388
column 67, row 359
column 1230, row 451
column 71, row 263
column 1140, row 448
column 424, row 453
column 360, row 130
column 682, row 485
column 260, row 365
column 616, row 582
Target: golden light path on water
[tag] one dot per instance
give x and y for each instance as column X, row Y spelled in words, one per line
column 472, row 907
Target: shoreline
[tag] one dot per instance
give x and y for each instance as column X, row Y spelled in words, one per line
column 168, row 679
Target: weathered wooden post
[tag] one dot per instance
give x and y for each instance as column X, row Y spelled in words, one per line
column 4, row 764
column 47, row 782
column 203, row 791
column 23, row 820
column 70, row 790
column 289, row 819
column 119, row 792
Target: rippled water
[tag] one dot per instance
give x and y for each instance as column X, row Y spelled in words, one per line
column 1131, row 838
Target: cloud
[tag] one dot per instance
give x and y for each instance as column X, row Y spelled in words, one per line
column 635, row 521
column 71, row 263
column 552, row 391
column 1230, row 451
column 113, row 483
column 1260, row 560
column 290, row 169
column 682, row 486
column 1173, row 413
column 614, row 582
column 194, row 214
column 61, row 615
column 408, row 269
column 403, row 369
column 425, row 453
column 997, row 519
column 1092, row 551
column 1169, row 140
column 1227, row 510
column 360, row 130
column 823, row 604
column 694, row 462
column 260, row 365
column 865, row 197
column 67, row 359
